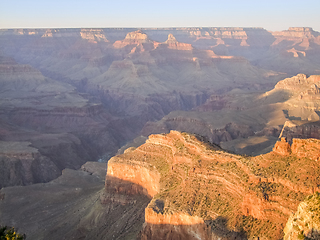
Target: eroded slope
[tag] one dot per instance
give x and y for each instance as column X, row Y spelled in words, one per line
column 201, row 191
column 249, row 123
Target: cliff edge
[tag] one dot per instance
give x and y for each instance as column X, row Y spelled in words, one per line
column 305, row 223
column 199, row 191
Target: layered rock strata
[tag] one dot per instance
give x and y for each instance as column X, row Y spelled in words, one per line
column 24, row 165
column 199, row 191
column 305, row 223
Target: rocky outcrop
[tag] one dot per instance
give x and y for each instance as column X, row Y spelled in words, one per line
column 200, row 191
column 93, row 35
column 134, row 172
column 70, row 207
column 138, row 80
column 51, row 116
column 132, row 79
column 297, row 32
column 229, row 132
column 135, row 78
column 174, row 44
column 24, row 165
column 173, row 226
column 282, row 147
column 306, row 148
column 16, row 69
column 300, row 129
column 53, row 33
column 297, row 83
column 299, row 97
column 305, row 224
column 133, row 38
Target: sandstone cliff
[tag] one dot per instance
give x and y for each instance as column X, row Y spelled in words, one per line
column 201, row 191
column 133, row 38
column 174, row 44
column 250, row 123
column 24, row 165
column 305, row 224
column 70, row 207
column 299, row 97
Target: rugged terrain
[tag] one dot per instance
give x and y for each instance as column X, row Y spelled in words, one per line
column 305, row 224
column 116, row 80
column 175, row 186
column 70, row 207
column 68, row 96
column 200, row 191
column 250, row 123
column 49, row 116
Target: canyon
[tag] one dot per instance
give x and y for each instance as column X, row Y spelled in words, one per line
column 70, row 99
column 175, row 186
column 119, row 82
column 251, row 123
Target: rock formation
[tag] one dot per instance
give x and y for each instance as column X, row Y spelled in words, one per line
column 69, row 207
column 305, row 224
column 175, row 186
column 72, row 95
column 200, row 191
column 113, row 81
column 282, row 147
column 251, row 123
column 50, row 116
column 93, row 35
column 24, row 165
column 174, row 44
column 300, row 129
column 133, row 38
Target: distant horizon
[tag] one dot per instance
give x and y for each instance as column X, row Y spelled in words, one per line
column 150, row 28
column 272, row 15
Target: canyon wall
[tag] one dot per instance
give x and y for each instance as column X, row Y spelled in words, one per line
column 103, row 85
column 24, row 165
column 304, row 224
column 199, row 191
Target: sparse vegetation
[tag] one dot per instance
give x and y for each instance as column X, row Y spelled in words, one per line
column 210, row 182
column 313, row 206
column 7, row 233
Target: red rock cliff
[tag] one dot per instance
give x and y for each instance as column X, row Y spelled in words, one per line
column 201, row 192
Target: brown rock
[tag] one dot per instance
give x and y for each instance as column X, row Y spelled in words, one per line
column 174, row 44
column 133, row 38
column 282, row 147
column 199, row 191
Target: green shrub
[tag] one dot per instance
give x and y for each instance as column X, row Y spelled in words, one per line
column 301, row 236
column 10, row 234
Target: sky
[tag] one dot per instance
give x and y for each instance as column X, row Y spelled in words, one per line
column 273, row 15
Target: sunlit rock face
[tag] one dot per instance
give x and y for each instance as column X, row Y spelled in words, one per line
column 174, row 226
column 174, row 44
column 93, row 35
column 304, row 224
column 133, row 38
column 200, row 191
column 250, row 123
column 282, row 147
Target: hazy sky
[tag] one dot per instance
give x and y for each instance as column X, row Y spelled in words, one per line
column 269, row 14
